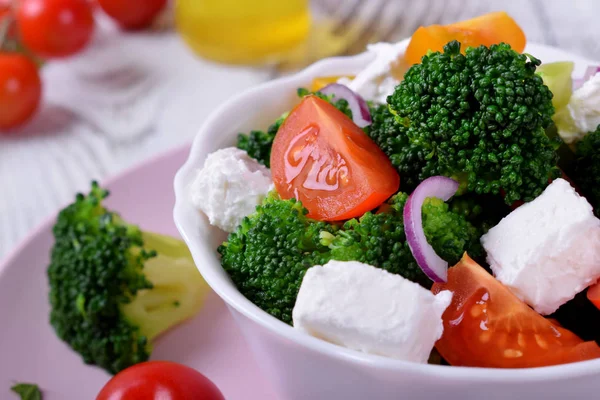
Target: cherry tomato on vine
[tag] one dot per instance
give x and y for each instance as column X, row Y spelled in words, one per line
column 4, row 9
column 5, row 12
column 133, row 14
column 55, row 28
column 20, row 89
column 160, row 379
column 5, row 5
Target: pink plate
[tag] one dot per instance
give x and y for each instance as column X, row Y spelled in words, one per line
column 29, row 350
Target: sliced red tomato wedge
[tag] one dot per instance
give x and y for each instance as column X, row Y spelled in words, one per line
column 488, row 326
column 323, row 159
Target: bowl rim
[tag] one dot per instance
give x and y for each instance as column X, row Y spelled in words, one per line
column 233, row 298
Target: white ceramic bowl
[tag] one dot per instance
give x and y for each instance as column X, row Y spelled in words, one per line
column 303, row 367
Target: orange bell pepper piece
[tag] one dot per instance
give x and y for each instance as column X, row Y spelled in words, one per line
column 494, row 28
column 484, row 30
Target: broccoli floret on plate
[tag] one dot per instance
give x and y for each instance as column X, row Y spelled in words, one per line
column 479, row 118
column 114, row 288
column 269, row 253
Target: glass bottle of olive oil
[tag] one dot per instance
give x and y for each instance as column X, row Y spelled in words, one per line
column 242, row 31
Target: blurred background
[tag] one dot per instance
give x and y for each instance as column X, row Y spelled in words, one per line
column 138, row 77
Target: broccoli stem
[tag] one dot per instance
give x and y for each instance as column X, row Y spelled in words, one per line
column 177, row 292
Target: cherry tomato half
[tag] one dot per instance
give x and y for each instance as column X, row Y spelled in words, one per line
column 488, row 326
column 55, row 28
column 20, row 89
column 133, row 14
column 322, row 158
column 160, row 380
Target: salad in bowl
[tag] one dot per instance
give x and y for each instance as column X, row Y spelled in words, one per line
column 419, row 219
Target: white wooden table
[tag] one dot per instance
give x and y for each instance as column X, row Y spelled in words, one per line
column 130, row 97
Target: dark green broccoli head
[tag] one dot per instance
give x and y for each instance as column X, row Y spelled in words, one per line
column 586, row 169
column 480, row 118
column 390, row 136
column 110, row 295
column 378, row 239
column 482, row 211
column 449, row 233
column 258, row 144
column 269, row 253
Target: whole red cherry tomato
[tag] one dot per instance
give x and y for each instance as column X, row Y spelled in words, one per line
column 133, row 14
column 55, row 28
column 20, row 89
column 160, row 379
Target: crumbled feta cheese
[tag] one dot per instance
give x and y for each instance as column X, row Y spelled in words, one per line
column 370, row 310
column 229, row 187
column 376, row 82
column 547, row 250
column 584, row 110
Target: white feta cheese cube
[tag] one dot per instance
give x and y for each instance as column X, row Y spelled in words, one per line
column 371, row 310
column 229, row 187
column 547, row 250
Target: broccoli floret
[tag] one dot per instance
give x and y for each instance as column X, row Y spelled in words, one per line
column 448, row 232
column 585, row 171
column 269, row 253
column 479, row 118
column 482, row 211
column 391, row 137
column 378, row 239
column 258, row 144
column 114, row 288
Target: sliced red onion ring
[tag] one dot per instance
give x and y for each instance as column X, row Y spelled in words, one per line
column 589, row 72
column 360, row 110
column 432, row 265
